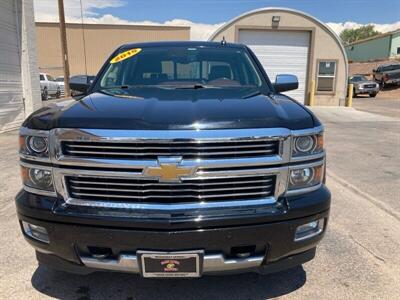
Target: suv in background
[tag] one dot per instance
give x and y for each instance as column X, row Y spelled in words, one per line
column 363, row 85
column 387, row 74
column 49, row 87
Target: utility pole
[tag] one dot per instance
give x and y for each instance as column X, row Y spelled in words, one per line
column 64, row 49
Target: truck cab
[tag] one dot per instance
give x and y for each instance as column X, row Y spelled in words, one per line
column 181, row 159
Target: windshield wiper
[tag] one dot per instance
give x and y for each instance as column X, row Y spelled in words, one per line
column 163, row 86
column 122, row 87
column 195, row 86
column 256, row 93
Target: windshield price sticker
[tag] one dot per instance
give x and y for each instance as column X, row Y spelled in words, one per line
column 124, row 55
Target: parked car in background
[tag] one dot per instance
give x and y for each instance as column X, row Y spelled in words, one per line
column 49, row 87
column 78, row 80
column 363, row 85
column 387, row 74
column 60, row 81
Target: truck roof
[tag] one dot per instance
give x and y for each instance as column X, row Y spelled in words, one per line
column 182, row 44
column 389, row 64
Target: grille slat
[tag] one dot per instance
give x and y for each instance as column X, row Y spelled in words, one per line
column 180, row 153
column 183, row 184
column 106, row 189
column 261, row 194
column 152, row 191
column 189, row 149
column 167, row 147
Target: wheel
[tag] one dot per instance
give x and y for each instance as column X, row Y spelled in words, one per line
column 373, row 95
column 354, row 93
column 45, row 95
column 58, row 94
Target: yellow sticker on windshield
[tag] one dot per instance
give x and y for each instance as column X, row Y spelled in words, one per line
column 124, row 55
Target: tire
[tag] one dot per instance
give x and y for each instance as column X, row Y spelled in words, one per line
column 45, row 94
column 58, row 94
column 354, row 94
column 373, row 95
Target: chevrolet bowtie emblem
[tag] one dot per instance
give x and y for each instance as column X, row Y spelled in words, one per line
column 169, row 172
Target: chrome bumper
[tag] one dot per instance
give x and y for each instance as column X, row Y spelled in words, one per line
column 211, row 263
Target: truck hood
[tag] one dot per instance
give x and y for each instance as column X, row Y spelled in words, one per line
column 358, row 83
column 174, row 110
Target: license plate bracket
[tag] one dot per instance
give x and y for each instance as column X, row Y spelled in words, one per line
column 171, row 264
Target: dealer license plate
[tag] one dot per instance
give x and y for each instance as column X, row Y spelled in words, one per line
column 170, row 264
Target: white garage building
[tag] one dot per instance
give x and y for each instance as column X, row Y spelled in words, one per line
column 291, row 42
column 19, row 77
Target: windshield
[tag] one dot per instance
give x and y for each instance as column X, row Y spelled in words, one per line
column 390, row 68
column 60, row 79
column 181, row 67
column 358, row 78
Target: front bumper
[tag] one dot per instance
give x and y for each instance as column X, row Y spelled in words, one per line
column 270, row 238
column 373, row 90
column 393, row 81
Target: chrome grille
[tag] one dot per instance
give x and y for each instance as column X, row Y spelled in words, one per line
column 187, row 149
column 153, row 191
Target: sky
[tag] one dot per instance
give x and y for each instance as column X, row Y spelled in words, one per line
column 205, row 16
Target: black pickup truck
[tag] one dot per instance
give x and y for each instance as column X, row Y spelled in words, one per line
column 387, row 74
column 181, row 159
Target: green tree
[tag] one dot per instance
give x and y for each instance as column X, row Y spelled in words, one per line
column 352, row 35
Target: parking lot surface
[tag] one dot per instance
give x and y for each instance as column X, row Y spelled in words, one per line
column 358, row 259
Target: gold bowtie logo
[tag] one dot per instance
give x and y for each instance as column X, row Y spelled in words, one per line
column 169, row 172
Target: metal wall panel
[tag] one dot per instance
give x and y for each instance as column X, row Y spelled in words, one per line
column 100, row 40
column 11, row 103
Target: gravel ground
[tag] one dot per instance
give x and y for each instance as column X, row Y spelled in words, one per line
column 358, row 259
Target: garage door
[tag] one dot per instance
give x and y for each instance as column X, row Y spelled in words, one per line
column 281, row 52
column 11, row 105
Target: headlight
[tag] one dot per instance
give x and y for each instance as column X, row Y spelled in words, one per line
column 37, row 177
column 34, row 143
column 305, row 177
column 37, row 144
column 308, row 145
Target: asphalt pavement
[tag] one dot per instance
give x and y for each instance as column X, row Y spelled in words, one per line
column 359, row 257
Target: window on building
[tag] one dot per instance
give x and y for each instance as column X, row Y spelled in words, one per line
column 398, row 50
column 326, row 76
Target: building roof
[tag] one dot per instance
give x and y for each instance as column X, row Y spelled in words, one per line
column 378, row 36
column 98, row 25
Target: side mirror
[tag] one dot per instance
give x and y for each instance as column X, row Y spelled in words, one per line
column 285, row 82
column 80, row 88
column 373, row 70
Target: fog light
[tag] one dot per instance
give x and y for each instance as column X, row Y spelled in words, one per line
column 305, row 177
column 309, row 230
column 41, row 178
column 36, row 232
column 301, row 176
column 37, row 178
